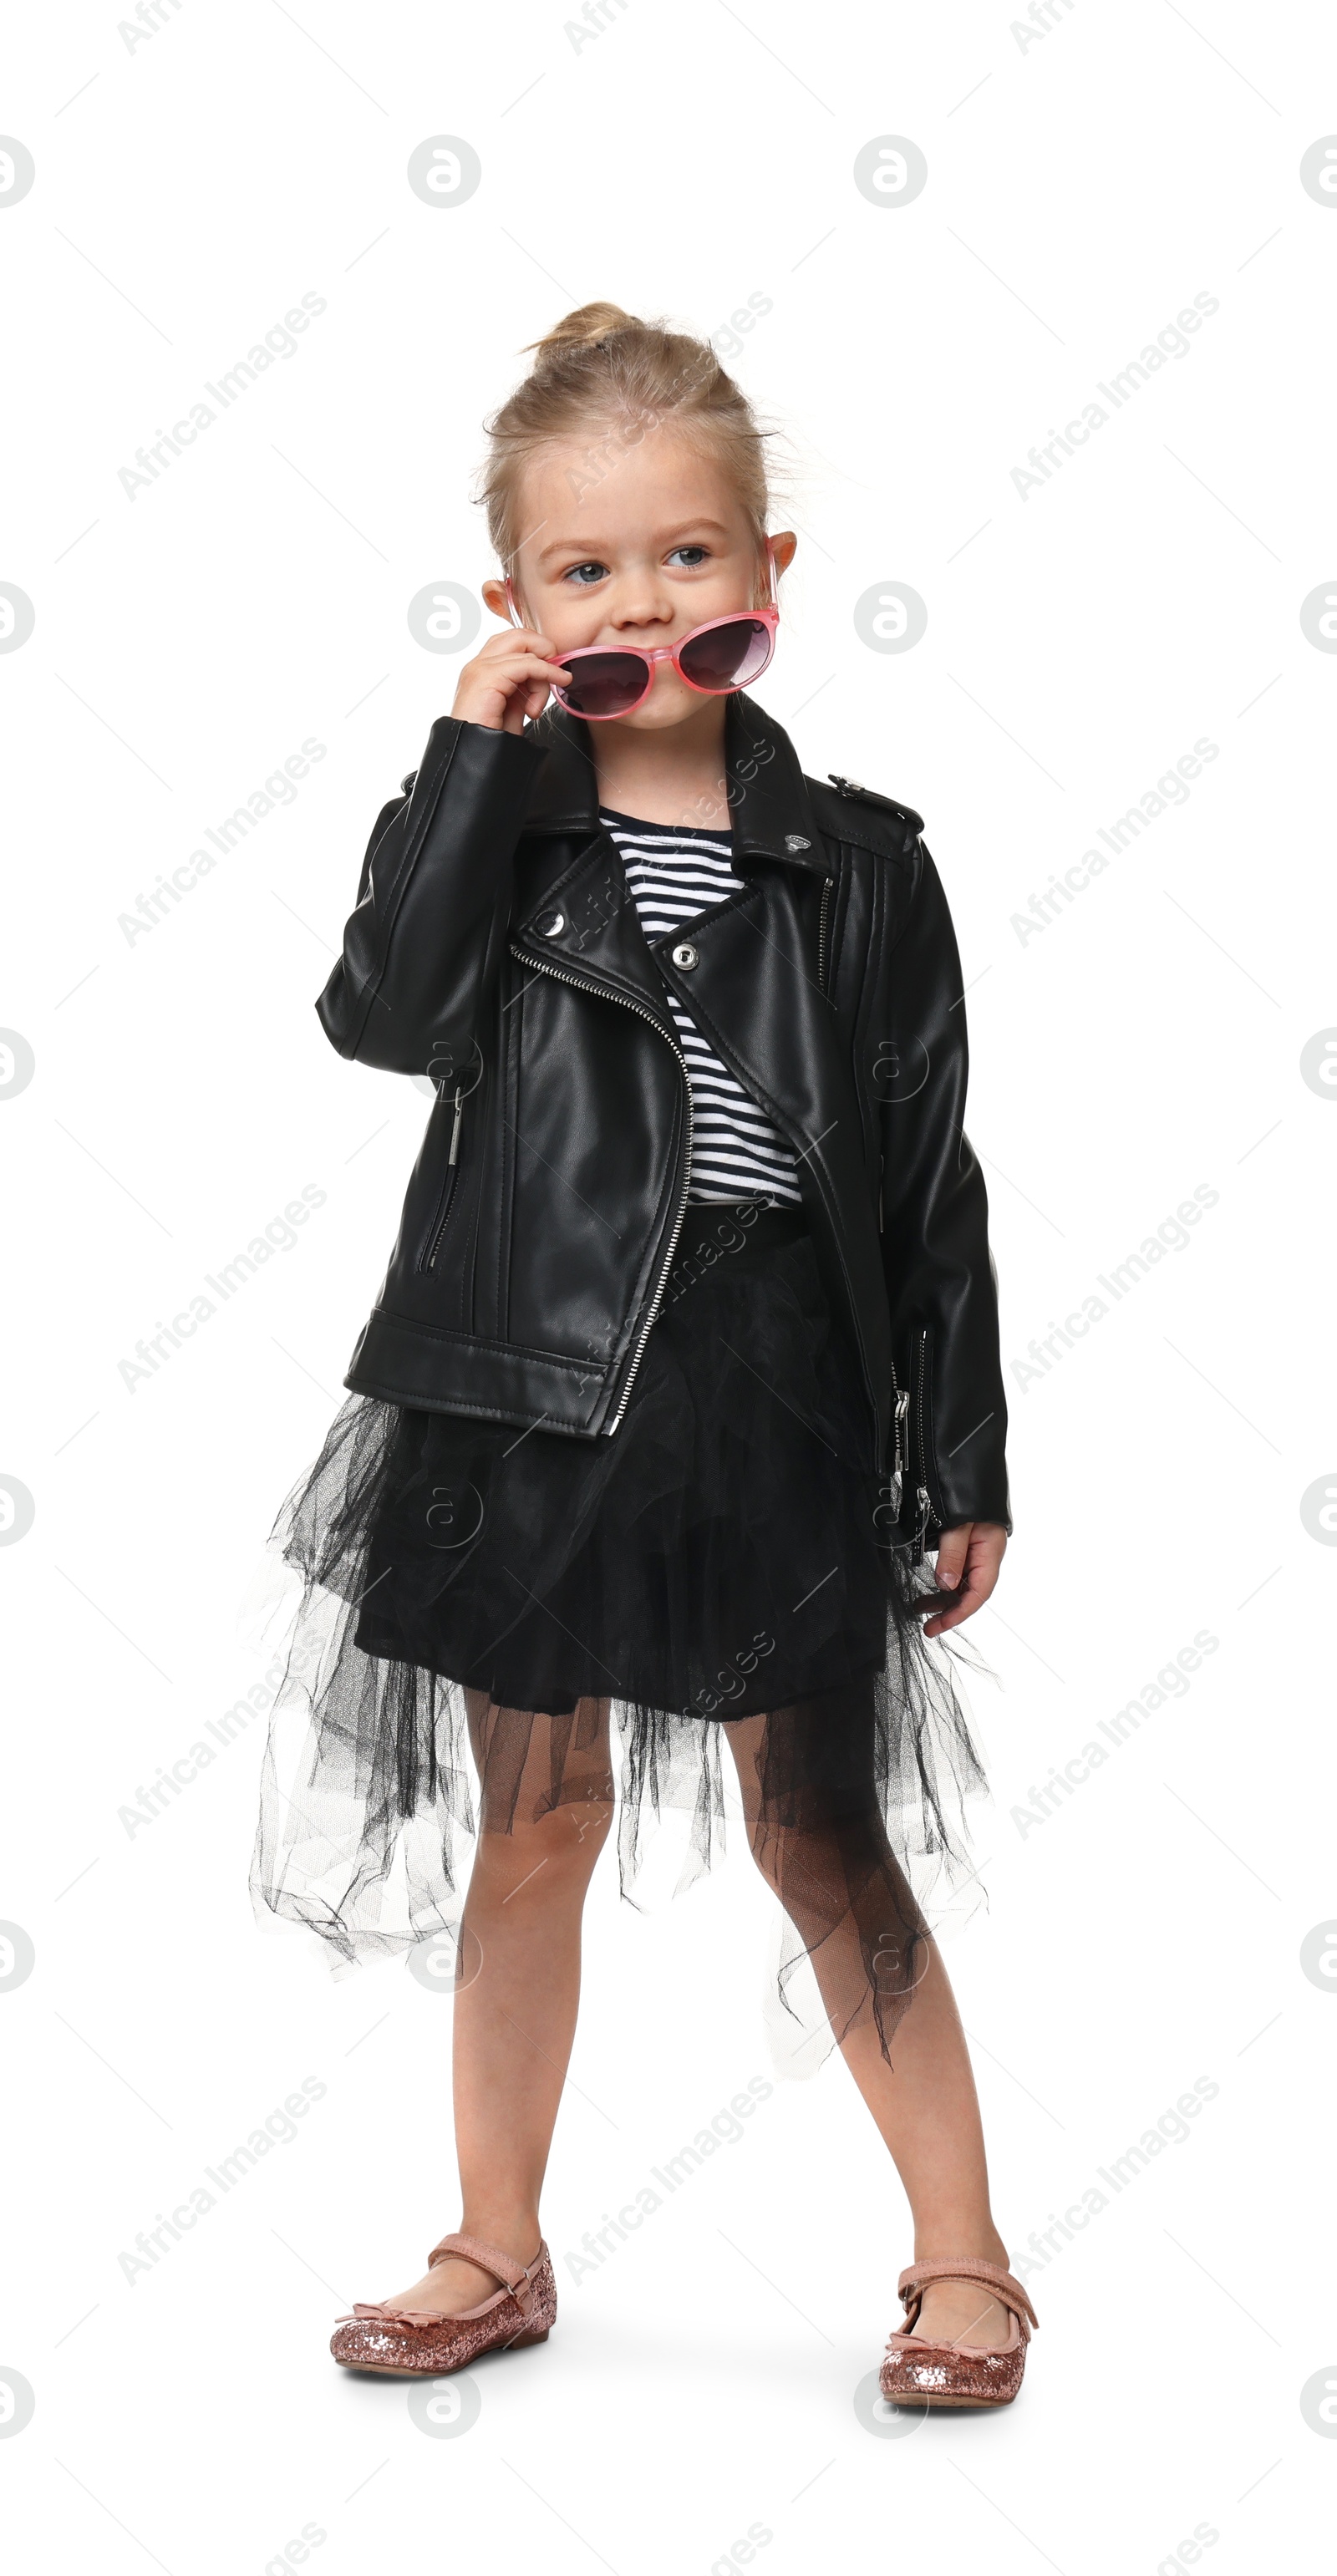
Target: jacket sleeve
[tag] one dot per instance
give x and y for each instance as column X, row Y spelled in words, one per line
column 423, row 946
column 941, row 1283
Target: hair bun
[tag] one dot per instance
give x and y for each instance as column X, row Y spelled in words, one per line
column 602, row 371
column 584, row 328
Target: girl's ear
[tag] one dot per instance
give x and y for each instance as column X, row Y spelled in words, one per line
column 784, row 547
column 494, row 597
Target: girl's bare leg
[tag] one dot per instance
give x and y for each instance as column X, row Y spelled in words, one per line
column 925, row 2106
column 516, row 2018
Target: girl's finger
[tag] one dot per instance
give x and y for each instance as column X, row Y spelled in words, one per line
column 953, row 1550
column 965, row 1608
column 979, row 1583
column 512, row 637
column 528, row 666
column 504, row 687
column 527, row 701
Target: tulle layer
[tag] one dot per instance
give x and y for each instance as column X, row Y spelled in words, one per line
column 497, row 1624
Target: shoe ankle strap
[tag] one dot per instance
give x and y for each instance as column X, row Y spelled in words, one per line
column 916, row 2277
column 517, row 2277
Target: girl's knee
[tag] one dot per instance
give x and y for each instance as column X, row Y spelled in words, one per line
column 563, row 1845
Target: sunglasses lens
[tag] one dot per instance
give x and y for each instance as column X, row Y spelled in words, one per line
column 728, row 655
column 604, row 684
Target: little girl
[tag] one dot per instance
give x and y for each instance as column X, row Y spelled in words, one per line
column 685, row 1357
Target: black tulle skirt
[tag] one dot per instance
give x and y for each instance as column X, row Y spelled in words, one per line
column 491, row 1616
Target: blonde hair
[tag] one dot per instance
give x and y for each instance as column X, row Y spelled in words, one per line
column 603, row 366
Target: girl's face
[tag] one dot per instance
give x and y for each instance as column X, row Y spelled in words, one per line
column 638, row 544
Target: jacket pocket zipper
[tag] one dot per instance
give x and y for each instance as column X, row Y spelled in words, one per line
column 821, row 934
column 437, row 1227
column 927, row 1514
column 900, row 1400
column 896, row 1480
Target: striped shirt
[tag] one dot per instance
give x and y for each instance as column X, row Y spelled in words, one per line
column 673, row 873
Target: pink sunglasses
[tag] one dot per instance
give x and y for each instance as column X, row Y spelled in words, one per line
column 726, row 653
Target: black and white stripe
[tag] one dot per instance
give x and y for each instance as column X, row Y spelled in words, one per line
column 673, row 873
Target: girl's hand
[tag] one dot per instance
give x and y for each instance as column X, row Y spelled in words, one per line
column 508, row 680
column 969, row 1557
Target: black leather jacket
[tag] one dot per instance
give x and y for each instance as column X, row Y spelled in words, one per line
column 495, row 947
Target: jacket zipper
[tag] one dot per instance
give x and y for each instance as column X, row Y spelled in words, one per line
column 899, row 1462
column 542, row 966
column 433, row 1243
column 926, row 1511
column 821, row 935
column 900, row 1395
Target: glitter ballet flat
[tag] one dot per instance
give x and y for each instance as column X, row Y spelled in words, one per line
column 916, row 2372
column 405, row 2343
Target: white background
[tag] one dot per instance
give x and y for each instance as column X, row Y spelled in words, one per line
column 1082, row 189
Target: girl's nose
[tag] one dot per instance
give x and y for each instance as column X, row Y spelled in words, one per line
column 640, row 605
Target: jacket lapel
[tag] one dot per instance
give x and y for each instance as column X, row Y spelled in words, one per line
column 755, row 948
column 769, row 812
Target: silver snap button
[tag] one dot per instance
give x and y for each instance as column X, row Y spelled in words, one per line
column 795, row 841
column 684, row 955
column 549, row 923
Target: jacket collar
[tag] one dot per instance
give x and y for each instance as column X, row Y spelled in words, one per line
column 769, row 811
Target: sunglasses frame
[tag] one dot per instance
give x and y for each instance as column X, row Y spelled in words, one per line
column 652, row 654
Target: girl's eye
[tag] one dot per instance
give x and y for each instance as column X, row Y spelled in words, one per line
column 697, row 555
column 581, row 575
